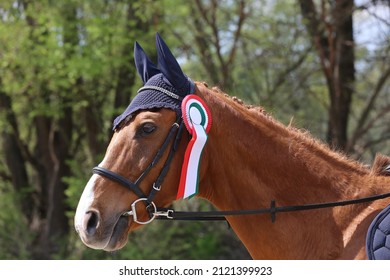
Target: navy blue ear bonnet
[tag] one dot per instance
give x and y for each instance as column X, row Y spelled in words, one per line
column 164, row 86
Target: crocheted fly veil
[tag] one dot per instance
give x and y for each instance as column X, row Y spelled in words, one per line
column 165, row 86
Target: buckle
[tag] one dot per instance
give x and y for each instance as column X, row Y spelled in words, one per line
column 170, row 214
column 167, row 214
column 155, row 187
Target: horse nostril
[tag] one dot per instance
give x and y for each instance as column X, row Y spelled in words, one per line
column 91, row 222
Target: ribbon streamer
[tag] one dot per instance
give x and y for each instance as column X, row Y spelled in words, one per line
column 197, row 119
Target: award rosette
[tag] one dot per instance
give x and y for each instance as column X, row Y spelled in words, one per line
column 197, row 119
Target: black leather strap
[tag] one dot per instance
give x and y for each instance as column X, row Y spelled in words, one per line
column 119, row 179
column 177, row 130
column 220, row 215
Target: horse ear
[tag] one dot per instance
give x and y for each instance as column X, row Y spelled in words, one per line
column 171, row 68
column 146, row 68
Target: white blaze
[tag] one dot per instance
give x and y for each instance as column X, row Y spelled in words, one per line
column 85, row 202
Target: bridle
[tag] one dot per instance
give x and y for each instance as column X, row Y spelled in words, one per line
column 174, row 133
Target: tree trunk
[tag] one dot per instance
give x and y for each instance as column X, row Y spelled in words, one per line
column 331, row 30
column 217, row 63
column 52, row 148
column 127, row 71
column 14, row 158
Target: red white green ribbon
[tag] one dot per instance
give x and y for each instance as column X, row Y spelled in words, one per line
column 197, row 119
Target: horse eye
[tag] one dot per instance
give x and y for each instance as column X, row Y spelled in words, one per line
column 147, row 128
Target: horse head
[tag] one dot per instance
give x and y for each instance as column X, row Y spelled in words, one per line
column 124, row 191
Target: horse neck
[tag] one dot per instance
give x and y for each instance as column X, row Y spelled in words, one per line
column 250, row 160
column 252, row 151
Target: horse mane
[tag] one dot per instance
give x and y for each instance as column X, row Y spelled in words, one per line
column 381, row 165
column 302, row 138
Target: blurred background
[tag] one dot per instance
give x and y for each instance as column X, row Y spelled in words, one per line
column 66, row 70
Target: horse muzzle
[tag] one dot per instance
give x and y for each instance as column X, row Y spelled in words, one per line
column 108, row 235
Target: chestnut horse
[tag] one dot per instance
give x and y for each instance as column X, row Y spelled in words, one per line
column 249, row 160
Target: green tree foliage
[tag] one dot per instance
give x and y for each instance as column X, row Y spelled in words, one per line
column 66, row 70
column 265, row 48
column 64, row 65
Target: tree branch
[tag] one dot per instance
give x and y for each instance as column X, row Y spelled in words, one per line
column 316, row 29
column 282, row 76
column 202, row 41
column 361, row 128
column 237, row 33
column 5, row 177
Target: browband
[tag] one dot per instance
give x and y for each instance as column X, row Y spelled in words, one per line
column 160, row 89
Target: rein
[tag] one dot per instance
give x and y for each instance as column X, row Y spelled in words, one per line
column 171, row 214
